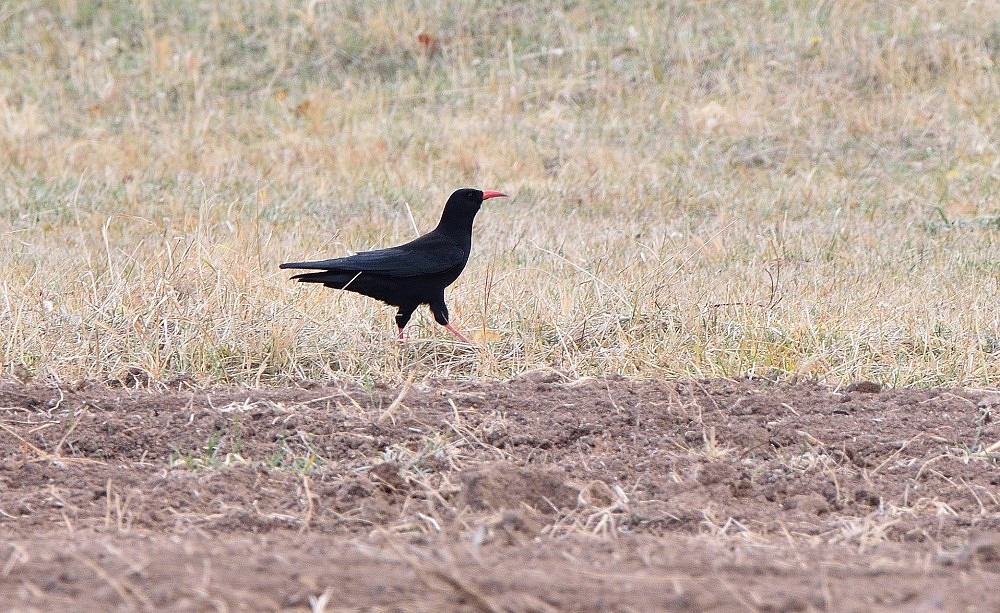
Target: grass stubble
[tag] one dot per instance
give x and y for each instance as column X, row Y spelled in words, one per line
column 705, row 189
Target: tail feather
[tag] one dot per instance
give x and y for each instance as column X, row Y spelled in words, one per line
column 335, row 280
column 317, row 265
column 325, row 276
column 308, row 277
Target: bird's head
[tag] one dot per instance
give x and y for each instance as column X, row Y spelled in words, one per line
column 473, row 197
column 462, row 207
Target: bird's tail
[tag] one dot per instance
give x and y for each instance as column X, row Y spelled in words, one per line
column 337, row 280
column 311, row 277
column 322, row 264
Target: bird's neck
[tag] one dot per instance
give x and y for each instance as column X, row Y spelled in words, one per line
column 458, row 223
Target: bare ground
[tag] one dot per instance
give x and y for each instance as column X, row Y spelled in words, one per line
column 537, row 494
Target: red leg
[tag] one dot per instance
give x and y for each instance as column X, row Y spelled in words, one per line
column 457, row 334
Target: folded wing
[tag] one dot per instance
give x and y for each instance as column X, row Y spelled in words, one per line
column 399, row 261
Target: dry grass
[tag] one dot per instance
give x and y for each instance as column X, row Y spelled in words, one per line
column 784, row 189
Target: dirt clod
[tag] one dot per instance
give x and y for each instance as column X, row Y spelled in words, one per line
column 505, row 486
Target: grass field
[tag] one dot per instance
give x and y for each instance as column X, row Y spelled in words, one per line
column 782, row 189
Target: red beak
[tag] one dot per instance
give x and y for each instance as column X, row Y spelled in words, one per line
column 487, row 194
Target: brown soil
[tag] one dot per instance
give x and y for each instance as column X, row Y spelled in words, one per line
column 538, row 494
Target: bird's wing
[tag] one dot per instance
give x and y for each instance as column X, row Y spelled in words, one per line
column 402, row 261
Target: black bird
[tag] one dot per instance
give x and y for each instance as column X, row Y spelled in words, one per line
column 412, row 274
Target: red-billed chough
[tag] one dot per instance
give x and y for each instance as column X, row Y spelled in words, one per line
column 411, row 274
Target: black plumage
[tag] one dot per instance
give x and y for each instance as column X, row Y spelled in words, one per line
column 411, row 274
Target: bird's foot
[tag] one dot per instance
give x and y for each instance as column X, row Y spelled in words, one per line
column 458, row 334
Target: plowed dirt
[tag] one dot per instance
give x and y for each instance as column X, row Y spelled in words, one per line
column 537, row 494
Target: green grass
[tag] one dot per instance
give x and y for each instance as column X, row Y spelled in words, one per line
column 698, row 189
column 221, row 448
